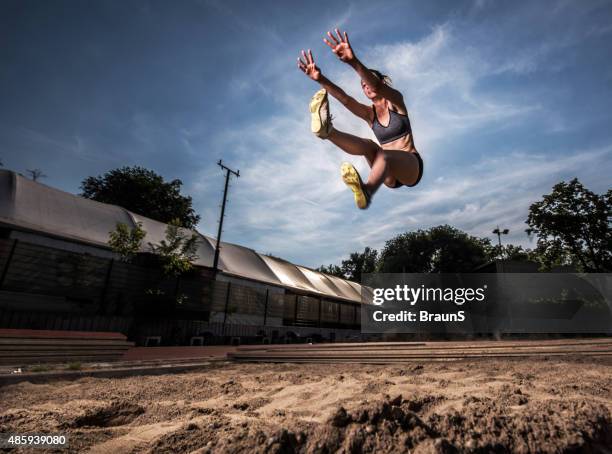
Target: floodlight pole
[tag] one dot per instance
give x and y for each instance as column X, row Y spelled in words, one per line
column 499, row 233
column 228, row 173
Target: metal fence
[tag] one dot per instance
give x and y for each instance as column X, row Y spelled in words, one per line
column 48, row 288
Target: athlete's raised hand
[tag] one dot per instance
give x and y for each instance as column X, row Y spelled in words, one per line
column 308, row 65
column 340, row 46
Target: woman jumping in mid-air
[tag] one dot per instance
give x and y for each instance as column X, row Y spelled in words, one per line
column 395, row 161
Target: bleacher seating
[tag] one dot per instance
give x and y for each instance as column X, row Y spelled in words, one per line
column 25, row 346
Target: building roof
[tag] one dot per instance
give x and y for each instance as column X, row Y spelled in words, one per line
column 35, row 207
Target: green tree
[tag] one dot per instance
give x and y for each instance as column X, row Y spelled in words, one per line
column 510, row 252
column 441, row 249
column 177, row 251
column 352, row 268
column 143, row 192
column 332, row 269
column 359, row 263
column 126, row 241
column 573, row 226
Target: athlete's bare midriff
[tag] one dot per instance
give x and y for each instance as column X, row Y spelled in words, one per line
column 404, row 143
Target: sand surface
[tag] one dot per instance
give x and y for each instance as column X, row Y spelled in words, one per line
column 543, row 405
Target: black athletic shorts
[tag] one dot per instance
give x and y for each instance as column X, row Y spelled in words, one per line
column 397, row 182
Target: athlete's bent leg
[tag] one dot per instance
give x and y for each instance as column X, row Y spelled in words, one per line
column 354, row 145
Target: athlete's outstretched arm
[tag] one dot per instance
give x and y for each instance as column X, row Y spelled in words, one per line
column 341, row 46
column 308, row 66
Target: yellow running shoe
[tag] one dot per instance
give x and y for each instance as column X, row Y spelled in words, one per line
column 320, row 119
column 351, row 178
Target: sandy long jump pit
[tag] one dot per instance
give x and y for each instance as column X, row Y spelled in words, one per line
column 511, row 396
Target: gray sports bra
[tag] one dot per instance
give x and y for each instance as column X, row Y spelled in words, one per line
column 399, row 126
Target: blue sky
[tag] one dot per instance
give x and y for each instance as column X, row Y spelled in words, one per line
column 505, row 98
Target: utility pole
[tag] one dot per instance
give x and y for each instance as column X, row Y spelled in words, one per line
column 228, row 173
column 36, row 174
